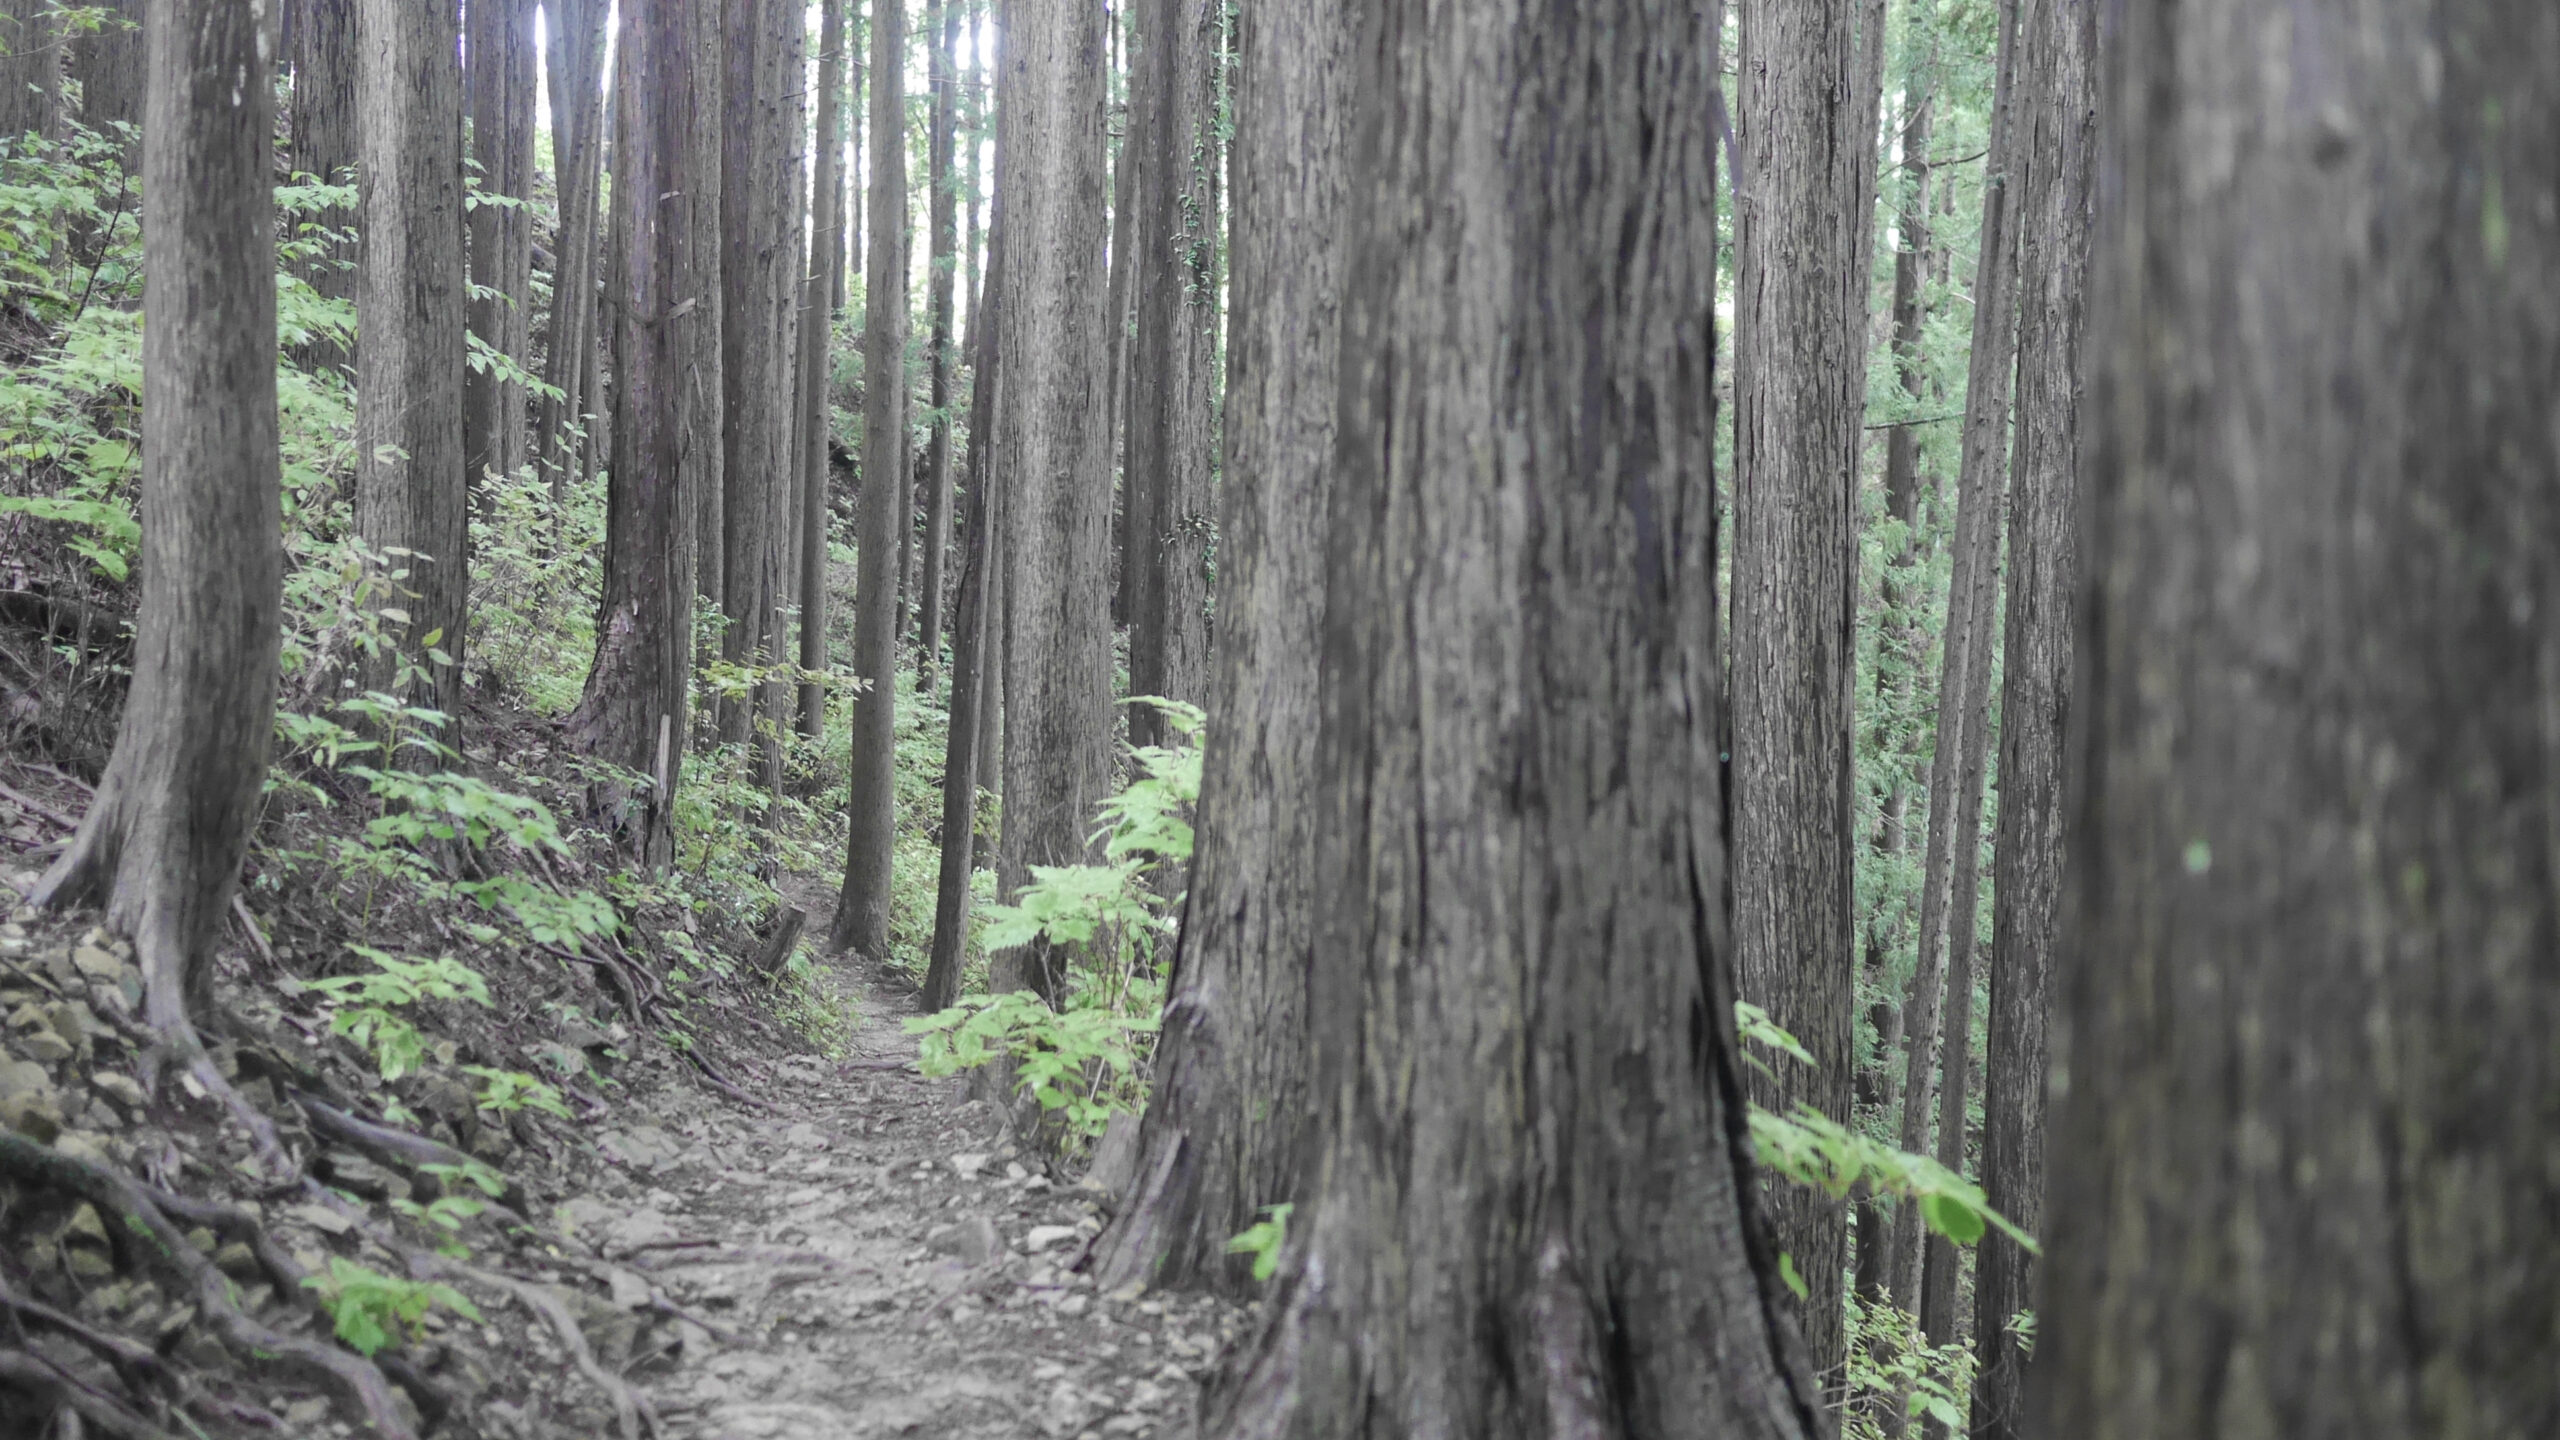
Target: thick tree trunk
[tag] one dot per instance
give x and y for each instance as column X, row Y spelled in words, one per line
column 1949, row 860
column 966, row 757
column 1225, row 1131
column 1053, row 449
column 160, row 847
column 666, row 422
column 30, row 69
column 862, row 911
column 1801, row 360
column 500, row 54
column 1522, row 1005
column 2308, row 1098
column 109, row 65
column 575, row 58
column 817, row 334
column 411, row 498
column 322, row 142
column 2057, row 112
column 1172, row 384
column 943, row 239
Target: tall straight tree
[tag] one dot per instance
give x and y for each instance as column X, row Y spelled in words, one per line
column 575, row 59
column 1052, row 446
column 160, row 847
column 2305, row 1143
column 1172, row 381
column 110, row 66
column 1522, row 1060
column 1808, row 148
column 499, row 54
column 1132, row 43
column 1224, row 1133
column 322, row 50
column 1937, row 1010
column 823, row 290
column 410, row 490
column 942, row 230
column 666, row 422
column 2056, row 97
column 862, row 911
column 30, row 68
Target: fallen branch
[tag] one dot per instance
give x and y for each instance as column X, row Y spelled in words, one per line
column 34, row 806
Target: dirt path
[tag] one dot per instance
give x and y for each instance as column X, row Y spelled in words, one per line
column 878, row 1260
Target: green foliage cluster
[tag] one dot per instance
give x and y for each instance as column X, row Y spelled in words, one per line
column 372, row 1309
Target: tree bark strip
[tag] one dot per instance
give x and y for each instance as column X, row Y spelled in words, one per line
column 818, row 306
column 499, row 53
column 942, row 231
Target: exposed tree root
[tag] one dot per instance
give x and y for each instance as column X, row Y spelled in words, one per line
column 149, row 1232
column 24, row 1371
column 137, row 1365
column 398, row 1148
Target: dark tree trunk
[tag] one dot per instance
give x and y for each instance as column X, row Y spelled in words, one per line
column 1522, row 1005
column 1053, row 449
column 1128, row 195
column 1949, row 862
column 500, row 54
column 817, row 334
column 943, row 239
column 1224, row 1133
column 2308, row 1098
column 109, row 64
column 1172, row 384
column 973, row 134
column 576, row 62
column 966, row 755
column 1800, row 320
column 410, row 487
column 30, row 69
column 160, row 847
column 862, row 911
column 2057, row 110
column 322, row 49
column 666, row 422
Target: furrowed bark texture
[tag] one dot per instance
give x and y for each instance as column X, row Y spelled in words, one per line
column 575, row 59
column 1935, row 1011
column 160, row 847
column 817, row 334
column 862, row 912
column 322, row 49
column 2056, row 98
column 1534, row 1210
column 942, row 230
column 666, row 422
column 2308, row 1100
column 110, row 66
column 1225, row 1129
column 410, row 488
column 30, row 69
column 1799, row 400
column 1172, row 384
column 499, row 53
column 1128, row 197
column 1053, row 449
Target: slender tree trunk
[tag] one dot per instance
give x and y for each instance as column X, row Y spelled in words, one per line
column 323, row 142
column 943, row 230
column 1964, row 698
column 2304, row 1150
column 411, row 498
column 817, row 334
column 666, row 421
column 974, row 631
column 974, row 134
column 1524, row 1058
column 1801, row 359
column 1128, row 198
column 576, row 63
column 500, row 53
column 31, row 41
column 1225, row 1130
column 2057, row 108
column 1053, row 449
column 160, row 847
column 109, row 64
column 1172, row 395
column 862, row 912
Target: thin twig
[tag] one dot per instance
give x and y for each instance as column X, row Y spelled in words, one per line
column 34, row 806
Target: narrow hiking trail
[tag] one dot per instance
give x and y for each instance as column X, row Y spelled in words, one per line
column 875, row 1257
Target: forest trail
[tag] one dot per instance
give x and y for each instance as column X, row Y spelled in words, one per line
column 879, row 1259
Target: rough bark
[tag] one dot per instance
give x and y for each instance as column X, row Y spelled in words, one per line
column 942, row 230
column 410, row 488
column 862, row 911
column 1225, row 1129
column 2307, row 1098
column 499, row 53
column 1172, row 384
column 2057, row 115
column 1800, row 398
column 1522, row 1007
column 825, row 283
column 161, row 844
column 321, row 47
column 1053, row 449
column 1128, row 191
column 30, row 69
column 109, row 65
column 563, row 425
column 666, row 422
